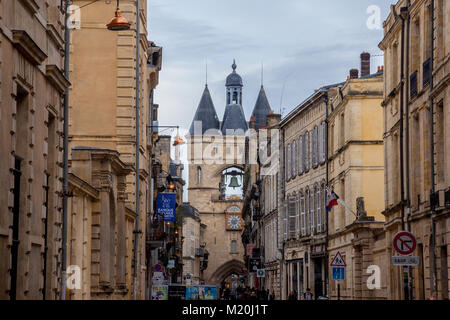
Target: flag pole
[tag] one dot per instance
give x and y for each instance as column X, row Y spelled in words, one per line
column 343, row 203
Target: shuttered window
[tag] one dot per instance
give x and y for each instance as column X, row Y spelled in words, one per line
column 306, row 147
column 314, row 151
column 307, row 218
column 303, row 214
column 292, row 217
column 322, row 142
column 319, row 209
column 286, row 167
column 311, row 210
column 285, row 223
column 289, row 156
column 300, row 155
column 294, row 159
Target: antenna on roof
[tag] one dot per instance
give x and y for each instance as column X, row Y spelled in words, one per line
column 206, row 72
column 262, row 73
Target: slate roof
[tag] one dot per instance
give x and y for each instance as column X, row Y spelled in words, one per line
column 206, row 113
column 261, row 109
column 234, row 118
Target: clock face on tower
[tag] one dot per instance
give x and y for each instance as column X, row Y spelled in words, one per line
column 233, row 219
column 234, row 222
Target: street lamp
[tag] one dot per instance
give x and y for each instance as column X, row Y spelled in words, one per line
column 118, row 23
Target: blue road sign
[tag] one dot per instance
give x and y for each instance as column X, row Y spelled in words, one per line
column 338, row 273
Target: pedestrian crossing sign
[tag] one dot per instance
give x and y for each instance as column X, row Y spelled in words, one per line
column 338, row 261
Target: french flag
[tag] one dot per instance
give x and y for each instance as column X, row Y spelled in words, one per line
column 332, row 199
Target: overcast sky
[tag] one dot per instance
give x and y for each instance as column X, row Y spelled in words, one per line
column 303, row 44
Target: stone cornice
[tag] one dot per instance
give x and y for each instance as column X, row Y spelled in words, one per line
column 56, row 78
column 55, row 36
column 31, row 5
column 25, row 44
column 85, row 187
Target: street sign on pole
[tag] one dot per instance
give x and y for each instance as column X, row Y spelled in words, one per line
column 254, row 264
column 338, row 273
column 405, row 261
column 261, row 273
column 338, row 261
column 404, row 243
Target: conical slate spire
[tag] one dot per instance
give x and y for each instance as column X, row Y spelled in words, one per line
column 206, row 114
column 234, row 119
column 261, row 109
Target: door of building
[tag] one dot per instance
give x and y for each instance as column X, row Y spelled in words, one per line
column 318, row 277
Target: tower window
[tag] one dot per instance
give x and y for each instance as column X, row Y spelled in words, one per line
column 199, row 175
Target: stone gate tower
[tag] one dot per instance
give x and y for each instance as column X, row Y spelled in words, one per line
column 216, row 161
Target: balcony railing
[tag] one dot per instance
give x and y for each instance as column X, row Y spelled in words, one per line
column 413, row 85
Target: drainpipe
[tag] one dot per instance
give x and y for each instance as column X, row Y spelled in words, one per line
column 66, row 154
column 44, row 271
column 136, row 231
column 433, row 223
column 402, row 172
column 326, row 183
column 282, row 177
column 408, row 182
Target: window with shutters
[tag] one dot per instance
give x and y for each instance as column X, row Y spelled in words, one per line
column 314, row 150
column 294, row 159
column 292, row 217
column 285, row 222
column 319, row 209
column 300, row 155
column 306, row 152
column 289, row 157
column 286, row 170
column 297, row 216
column 303, row 214
column 311, row 210
column 307, row 218
column 322, row 142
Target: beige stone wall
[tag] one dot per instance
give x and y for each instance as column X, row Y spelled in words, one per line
column 31, row 88
column 103, row 98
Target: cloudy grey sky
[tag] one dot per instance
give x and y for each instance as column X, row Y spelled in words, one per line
column 303, row 44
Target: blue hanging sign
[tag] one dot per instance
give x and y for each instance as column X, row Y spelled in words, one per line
column 165, row 206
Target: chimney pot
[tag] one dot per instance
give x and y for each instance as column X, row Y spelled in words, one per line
column 365, row 64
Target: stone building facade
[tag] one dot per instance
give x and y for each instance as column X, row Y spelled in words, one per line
column 100, row 227
column 102, row 115
column 356, row 174
column 302, row 208
column 416, row 120
column 32, row 85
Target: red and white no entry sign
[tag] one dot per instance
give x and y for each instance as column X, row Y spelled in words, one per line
column 404, row 243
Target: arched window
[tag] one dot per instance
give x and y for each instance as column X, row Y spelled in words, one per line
column 199, row 175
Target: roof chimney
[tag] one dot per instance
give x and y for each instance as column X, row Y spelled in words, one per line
column 354, row 73
column 365, row 64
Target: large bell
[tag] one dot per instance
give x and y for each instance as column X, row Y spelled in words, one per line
column 234, row 183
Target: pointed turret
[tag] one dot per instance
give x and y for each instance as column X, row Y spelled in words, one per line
column 234, row 119
column 261, row 109
column 206, row 113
